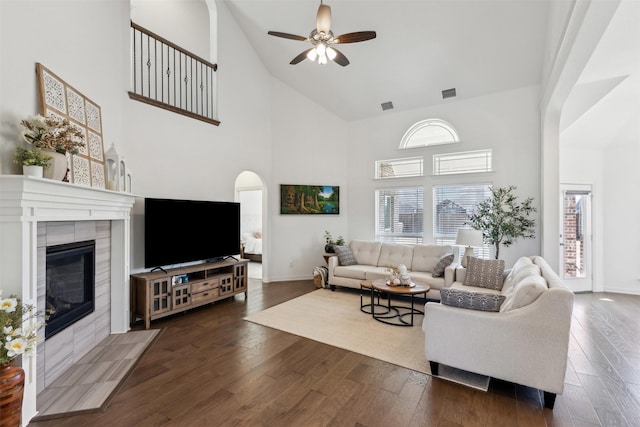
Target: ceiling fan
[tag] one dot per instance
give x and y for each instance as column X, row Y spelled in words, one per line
column 322, row 39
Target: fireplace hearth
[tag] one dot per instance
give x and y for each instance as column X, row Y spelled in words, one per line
column 70, row 284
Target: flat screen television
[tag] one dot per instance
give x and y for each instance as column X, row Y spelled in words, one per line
column 181, row 231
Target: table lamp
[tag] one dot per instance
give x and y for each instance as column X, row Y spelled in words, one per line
column 471, row 239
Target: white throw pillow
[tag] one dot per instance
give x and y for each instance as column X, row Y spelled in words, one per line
column 524, row 292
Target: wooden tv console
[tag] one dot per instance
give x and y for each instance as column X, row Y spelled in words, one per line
column 158, row 294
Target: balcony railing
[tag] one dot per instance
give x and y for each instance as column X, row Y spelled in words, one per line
column 170, row 77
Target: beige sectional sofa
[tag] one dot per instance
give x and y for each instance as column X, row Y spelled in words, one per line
column 373, row 259
column 525, row 342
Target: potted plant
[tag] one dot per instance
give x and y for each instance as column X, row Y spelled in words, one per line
column 502, row 219
column 329, row 242
column 33, row 160
column 56, row 136
column 18, row 337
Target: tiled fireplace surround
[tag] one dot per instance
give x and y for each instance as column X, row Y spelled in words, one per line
column 60, row 352
column 36, row 213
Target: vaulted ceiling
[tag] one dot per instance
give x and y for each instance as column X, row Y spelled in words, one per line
column 424, row 47
column 604, row 106
column 421, row 48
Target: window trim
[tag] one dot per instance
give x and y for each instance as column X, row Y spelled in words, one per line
column 402, row 237
column 416, row 159
column 408, row 135
column 440, row 238
column 487, row 154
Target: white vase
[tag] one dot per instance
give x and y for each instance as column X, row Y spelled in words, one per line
column 35, row 171
column 57, row 170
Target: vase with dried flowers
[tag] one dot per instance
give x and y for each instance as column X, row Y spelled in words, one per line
column 53, row 135
column 19, row 327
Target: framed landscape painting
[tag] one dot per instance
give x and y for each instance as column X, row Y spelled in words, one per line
column 309, row 199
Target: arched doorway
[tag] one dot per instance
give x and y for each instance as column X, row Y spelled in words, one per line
column 249, row 189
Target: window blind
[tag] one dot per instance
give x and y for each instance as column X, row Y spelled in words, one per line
column 400, row 215
column 452, row 206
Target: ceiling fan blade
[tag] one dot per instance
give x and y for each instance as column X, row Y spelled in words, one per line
column 358, row 36
column 287, row 36
column 340, row 58
column 300, row 57
column 323, row 19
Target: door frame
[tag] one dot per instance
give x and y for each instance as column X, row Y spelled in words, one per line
column 585, row 284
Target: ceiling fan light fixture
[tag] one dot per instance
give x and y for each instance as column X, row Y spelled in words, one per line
column 321, row 39
column 323, row 19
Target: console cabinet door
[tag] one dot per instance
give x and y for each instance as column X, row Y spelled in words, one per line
column 240, row 277
column 181, row 296
column 159, row 296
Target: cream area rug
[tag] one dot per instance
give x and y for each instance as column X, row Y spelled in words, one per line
column 334, row 318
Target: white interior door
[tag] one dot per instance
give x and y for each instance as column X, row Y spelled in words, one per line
column 576, row 238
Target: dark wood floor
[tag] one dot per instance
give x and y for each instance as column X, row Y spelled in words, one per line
column 211, row 368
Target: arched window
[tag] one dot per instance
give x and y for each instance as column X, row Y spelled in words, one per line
column 429, row 132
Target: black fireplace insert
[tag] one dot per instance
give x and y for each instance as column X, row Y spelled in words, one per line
column 70, row 279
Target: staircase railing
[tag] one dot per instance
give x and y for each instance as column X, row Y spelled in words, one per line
column 170, row 77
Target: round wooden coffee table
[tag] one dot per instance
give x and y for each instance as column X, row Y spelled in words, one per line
column 395, row 314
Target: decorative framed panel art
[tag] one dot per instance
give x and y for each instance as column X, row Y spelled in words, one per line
column 62, row 100
column 309, row 199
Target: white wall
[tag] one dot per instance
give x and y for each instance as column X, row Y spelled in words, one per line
column 558, row 18
column 309, row 147
column 168, row 154
column 179, row 157
column 612, row 168
column 266, row 127
column 171, row 18
column 621, row 203
column 69, row 38
column 579, row 27
column 615, row 206
column 507, row 122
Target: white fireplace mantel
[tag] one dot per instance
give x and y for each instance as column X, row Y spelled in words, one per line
column 25, row 201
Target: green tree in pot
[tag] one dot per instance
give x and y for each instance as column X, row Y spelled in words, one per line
column 502, row 219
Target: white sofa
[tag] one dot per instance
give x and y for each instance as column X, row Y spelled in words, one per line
column 374, row 258
column 525, row 342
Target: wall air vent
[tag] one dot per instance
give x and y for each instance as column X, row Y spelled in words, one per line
column 449, row 93
column 387, row 106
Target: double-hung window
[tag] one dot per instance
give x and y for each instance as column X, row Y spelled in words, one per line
column 400, row 215
column 452, row 206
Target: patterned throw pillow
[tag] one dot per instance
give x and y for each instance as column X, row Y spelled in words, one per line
column 345, row 256
column 471, row 300
column 484, row 273
column 443, row 262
